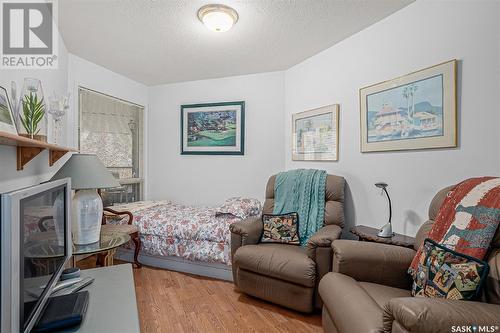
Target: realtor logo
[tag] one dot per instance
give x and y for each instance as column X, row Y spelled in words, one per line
column 29, row 34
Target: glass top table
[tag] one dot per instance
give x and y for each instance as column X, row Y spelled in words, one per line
column 44, row 245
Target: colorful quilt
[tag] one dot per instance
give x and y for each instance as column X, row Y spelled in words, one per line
column 467, row 220
column 190, row 232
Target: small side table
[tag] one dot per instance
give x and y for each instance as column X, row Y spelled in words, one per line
column 44, row 246
column 105, row 248
column 369, row 234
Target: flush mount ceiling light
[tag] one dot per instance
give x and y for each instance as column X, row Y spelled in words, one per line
column 218, row 18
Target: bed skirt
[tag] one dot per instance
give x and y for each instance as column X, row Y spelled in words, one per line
column 212, row 270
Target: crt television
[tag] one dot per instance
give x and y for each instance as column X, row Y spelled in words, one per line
column 36, row 244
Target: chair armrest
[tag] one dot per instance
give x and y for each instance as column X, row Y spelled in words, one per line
column 322, row 238
column 373, row 262
column 244, row 232
column 319, row 249
column 112, row 213
column 249, row 230
column 428, row 315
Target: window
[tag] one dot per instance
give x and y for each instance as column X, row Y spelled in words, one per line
column 112, row 129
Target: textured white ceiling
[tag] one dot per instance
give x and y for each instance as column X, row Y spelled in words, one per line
column 156, row 42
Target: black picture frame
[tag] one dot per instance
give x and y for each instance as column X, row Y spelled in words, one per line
column 237, row 149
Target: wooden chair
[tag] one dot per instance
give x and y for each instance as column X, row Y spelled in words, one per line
column 128, row 228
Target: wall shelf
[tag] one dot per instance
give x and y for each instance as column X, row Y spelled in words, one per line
column 27, row 148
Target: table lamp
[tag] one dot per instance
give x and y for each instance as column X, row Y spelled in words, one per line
column 386, row 230
column 87, row 174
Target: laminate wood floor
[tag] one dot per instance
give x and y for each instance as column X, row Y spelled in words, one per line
column 176, row 302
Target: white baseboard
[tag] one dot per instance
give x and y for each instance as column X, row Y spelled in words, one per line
column 213, row 270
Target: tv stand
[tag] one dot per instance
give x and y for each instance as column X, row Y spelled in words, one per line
column 112, row 303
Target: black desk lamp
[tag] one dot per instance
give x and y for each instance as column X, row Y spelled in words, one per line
column 386, row 230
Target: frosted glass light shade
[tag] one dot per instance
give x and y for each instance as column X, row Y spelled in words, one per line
column 218, row 18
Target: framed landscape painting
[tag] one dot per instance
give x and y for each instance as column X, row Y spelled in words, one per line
column 213, row 129
column 7, row 123
column 316, row 134
column 416, row 111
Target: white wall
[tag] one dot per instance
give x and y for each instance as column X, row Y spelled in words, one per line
column 37, row 170
column 206, row 180
column 423, row 34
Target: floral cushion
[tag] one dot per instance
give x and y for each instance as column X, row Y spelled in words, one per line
column 240, row 207
column 444, row 273
column 283, row 228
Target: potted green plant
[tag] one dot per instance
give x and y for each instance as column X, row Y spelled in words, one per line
column 32, row 114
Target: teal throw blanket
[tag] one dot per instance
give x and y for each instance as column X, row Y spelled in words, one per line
column 302, row 191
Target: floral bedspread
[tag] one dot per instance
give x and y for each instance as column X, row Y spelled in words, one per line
column 190, row 232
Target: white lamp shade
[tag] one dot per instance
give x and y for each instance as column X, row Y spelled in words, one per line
column 86, row 172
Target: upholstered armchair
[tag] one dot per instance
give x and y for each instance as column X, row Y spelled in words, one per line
column 369, row 290
column 287, row 275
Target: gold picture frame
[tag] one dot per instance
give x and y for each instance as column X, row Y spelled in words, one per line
column 315, row 134
column 414, row 111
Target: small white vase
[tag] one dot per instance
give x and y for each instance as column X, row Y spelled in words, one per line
column 86, row 216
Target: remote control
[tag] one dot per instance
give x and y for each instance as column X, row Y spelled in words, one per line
column 74, row 288
column 63, row 284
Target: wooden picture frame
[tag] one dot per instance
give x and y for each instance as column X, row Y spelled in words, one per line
column 415, row 111
column 7, row 121
column 315, row 134
column 213, row 128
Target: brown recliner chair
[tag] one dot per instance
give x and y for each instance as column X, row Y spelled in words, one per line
column 369, row 290
column 287, row 275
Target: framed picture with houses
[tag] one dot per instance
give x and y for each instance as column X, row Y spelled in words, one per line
column 415, row 111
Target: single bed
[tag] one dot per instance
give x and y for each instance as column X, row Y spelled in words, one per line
column 193, row 233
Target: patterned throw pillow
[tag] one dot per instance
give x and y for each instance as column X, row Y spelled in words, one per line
column 444, row 273
column 283, row 228
column 240, row 207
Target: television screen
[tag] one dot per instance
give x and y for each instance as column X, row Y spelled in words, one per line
column 43, row 222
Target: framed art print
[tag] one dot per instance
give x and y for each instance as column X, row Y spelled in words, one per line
column 7, row 123
column 213, row 129
column 316, row 134
column 415, row 111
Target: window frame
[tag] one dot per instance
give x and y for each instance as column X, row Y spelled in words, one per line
column 140, row 179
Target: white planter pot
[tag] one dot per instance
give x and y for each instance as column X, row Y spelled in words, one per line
column 86, row 217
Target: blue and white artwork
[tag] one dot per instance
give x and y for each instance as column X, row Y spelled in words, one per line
column 410, row 111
